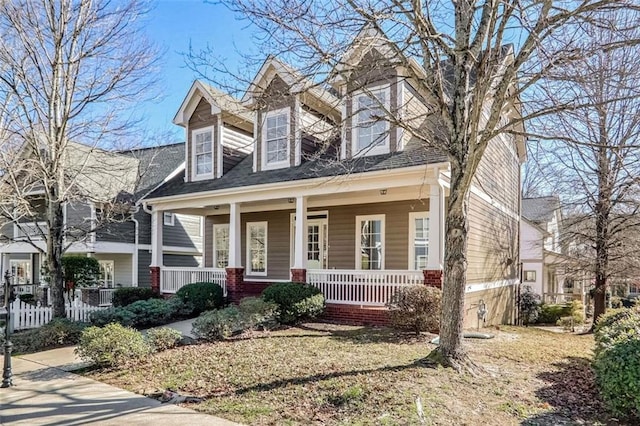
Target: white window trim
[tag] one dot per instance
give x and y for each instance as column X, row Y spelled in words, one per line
column 292, row 228
column 535, row 276
column 113, row 273
column 263, row 142
column 194, row 169
column 215, row 249
column 359, row 219
column 266, row 250
column 171, row 219
column 412, row 237
column 355, row 133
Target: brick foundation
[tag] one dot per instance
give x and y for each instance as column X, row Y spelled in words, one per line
column 432, row 277
column 235, row 284
column 299, row 275
column 155, row 278
column 254, row 288
column 355, row 315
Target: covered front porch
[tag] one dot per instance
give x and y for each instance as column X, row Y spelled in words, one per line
column 357, row 241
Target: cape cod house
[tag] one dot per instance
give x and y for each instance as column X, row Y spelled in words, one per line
column 305, row 183
column 122, row 247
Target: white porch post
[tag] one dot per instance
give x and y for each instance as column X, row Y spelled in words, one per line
column 235, row 254
column 156, row 238
column 300, row 245
column 436, row 223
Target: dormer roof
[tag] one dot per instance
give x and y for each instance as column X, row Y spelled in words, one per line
column 220, row 102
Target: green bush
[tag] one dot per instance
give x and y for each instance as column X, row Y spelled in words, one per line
column 111, row 345
column 618, row 376
column 203, row 296
column 179, row 308
column 149, row 313
column 416, row 308
column 529, row 303
column 616, row 326
column 258, row 313
column 163, row 338
column 124, row 296
column 295, row 301
column 57, row 333
column 219, row 324
column 551, row 313
column 117, row 315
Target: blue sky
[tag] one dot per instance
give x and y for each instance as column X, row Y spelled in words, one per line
column 173, row 25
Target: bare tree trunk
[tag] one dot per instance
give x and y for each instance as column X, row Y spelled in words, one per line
column 602, row 259
column 54, row 253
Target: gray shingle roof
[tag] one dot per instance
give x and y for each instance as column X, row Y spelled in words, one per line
column 242, row 175
column 540, row 209
column 155, row 164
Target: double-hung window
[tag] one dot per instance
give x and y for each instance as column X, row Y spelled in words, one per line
column 370, row 242
column 371, row 130
column 220, row 245
column 418, row 240
column 107, row 273
column 202, row 140
column 256, row 248
column 275, row 133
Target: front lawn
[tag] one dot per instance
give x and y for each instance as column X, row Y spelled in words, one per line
column 326, row 374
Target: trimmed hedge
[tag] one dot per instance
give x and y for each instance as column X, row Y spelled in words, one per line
column 551, row 313
column 58, row 332
column 112, row 345
column 416, row 308
column 124, row 296
column 143, row 313
column 295, row 301
column 203, row 296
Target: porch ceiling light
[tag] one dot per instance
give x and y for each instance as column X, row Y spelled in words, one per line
column 383, row 191
column 291, row 200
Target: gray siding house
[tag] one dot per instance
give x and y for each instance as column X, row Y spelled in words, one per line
column 121, row 246
column 301, row 182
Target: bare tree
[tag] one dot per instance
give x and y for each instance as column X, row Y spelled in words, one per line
column 477, row 60
column 67, row 70
column 596, row 151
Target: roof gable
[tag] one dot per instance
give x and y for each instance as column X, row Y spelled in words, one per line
column 219, row 101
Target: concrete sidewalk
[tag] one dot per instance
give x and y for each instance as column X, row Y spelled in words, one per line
column 46, row 393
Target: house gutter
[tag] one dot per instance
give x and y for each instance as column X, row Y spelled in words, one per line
column 134, row 273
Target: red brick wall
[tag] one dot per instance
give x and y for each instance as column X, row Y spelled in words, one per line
column 253, row 288
column 355, row 315
column 155, row 278
column 299, row 275
column 432, row 277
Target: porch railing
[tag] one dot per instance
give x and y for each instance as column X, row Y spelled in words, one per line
column 172, row 279
column 106, row 296
column 370, row 288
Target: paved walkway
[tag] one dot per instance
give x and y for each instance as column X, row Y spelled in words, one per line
column 46, row 393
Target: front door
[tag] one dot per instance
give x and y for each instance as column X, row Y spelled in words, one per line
column 317, row 244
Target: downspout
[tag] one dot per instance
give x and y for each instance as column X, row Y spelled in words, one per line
column 134, row 273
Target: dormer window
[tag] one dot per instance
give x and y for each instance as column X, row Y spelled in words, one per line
column 202, row 140
column 275, row 139
column 371, row 130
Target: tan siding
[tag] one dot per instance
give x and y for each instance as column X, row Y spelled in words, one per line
column 500, row 304
column 342, row 232
column 493, row 249
column 499, row 172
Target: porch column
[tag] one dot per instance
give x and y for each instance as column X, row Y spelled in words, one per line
column 235, row 271
column 299, row 270
column 156, row 248
column 433, row 273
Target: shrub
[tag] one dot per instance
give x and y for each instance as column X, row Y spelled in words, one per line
column 295, row 301
column 28, row 298
column 111, row 345
column 529, row 303
column 219, row 324
column 551, row 313
column 416, row 308
column 616, row 326
column 179, row 308
column 124, row 296
column 258, row 313
column 203, row 296
column 112, row 315
column 57, row 333
column 163, row 338
column 148, row 313
column 618, row 376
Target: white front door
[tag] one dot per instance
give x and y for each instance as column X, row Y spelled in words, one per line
column 317, row 241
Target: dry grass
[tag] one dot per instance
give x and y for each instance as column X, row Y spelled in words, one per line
column 323, row 374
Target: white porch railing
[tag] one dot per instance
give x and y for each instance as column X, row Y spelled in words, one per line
column 172, row 279
column 370, row 288
column 26, row 316
column 106, row 296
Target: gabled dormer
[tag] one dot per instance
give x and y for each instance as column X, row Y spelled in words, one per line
column 375, row 84
column 219, row 132
column 293, row 117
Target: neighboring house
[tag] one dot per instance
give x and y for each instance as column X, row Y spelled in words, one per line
column 121, row 246
column 296, row 182
column 546, row 266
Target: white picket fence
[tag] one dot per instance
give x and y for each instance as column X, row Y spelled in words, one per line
column 365, row 288
column 25, row 315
